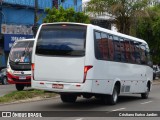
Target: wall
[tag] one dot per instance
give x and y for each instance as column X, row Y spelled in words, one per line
column 76, row 4
column 30, row 3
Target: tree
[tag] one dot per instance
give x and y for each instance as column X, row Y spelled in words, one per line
column 65, row 15
column 148, row 29
column 124, row 12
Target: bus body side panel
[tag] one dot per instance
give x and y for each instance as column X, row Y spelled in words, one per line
column 132, row 77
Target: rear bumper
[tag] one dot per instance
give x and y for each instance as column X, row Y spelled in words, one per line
column 67, row 87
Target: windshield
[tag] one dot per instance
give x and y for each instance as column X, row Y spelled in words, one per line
column 62, row 40
column 21, row 52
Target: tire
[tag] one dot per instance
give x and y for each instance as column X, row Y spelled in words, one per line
column 154, row 76
column 4, row 81
column 111, row 99
column 146, row 94
column 67, row 98
column 19, row 87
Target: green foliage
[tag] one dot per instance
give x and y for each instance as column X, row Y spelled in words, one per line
column 65, row 15
column 149, row 30
column 124, row 12
column 23, row 95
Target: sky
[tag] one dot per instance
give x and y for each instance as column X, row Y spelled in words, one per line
column 85, row 0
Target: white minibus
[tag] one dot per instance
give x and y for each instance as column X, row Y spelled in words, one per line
column 19, row 63
column 74, row 59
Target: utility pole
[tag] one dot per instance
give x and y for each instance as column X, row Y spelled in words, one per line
column 34, row 28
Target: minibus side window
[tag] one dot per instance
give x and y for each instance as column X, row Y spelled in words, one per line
column 127, row 50
column 102, row 50
column 117, row 51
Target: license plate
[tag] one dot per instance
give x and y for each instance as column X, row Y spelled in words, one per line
column 22, row 77
column 57, row 86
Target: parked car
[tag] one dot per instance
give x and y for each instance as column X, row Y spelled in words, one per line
column 3, row 76
column 156, row 71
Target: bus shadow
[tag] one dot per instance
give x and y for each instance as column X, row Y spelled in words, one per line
column 89, row 104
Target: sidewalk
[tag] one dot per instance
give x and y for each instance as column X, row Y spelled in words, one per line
column 157, row 81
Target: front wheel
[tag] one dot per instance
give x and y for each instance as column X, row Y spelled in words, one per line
column 19, row 87
column 4, row 81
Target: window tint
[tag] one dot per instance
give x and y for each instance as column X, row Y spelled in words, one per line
column 101, row 46
column 122, row 49
column 148, row 57
column 143, row 54
column 132, row 50
column 117, row 51
column 127, row 50
column 137, row 52
column 97, row 45
column 104, row 44
column 111, row 47
column 62, row 40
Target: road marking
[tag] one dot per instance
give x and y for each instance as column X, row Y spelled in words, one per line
column 79, row 119
column 146, row 102
column 119, row 109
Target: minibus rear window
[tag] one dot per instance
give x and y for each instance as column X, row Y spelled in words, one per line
column 61, row 40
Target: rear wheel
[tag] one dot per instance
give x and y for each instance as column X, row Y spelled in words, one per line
column 68, row 98
column 19, row 87
column 4, row 81
column 146, row 94
column 111, row 99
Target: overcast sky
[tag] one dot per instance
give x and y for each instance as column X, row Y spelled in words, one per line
column 85, row 0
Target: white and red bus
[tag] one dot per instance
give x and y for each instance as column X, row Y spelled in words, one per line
column 74, row 59
column 19, row 63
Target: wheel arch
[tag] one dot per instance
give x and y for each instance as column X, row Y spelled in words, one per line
column 149, row 84
column 117, row 83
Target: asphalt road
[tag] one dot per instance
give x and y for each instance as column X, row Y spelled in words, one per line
column 5, row 89
column 126, row 103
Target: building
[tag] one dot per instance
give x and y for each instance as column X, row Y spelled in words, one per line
column 76, row 4
column 17, row 20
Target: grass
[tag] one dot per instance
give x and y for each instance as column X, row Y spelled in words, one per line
column 24, row 95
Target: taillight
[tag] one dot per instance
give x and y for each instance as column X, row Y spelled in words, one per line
column 86, row 68
column 32, row 67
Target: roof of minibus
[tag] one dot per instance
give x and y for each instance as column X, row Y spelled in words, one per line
column 101, row 29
